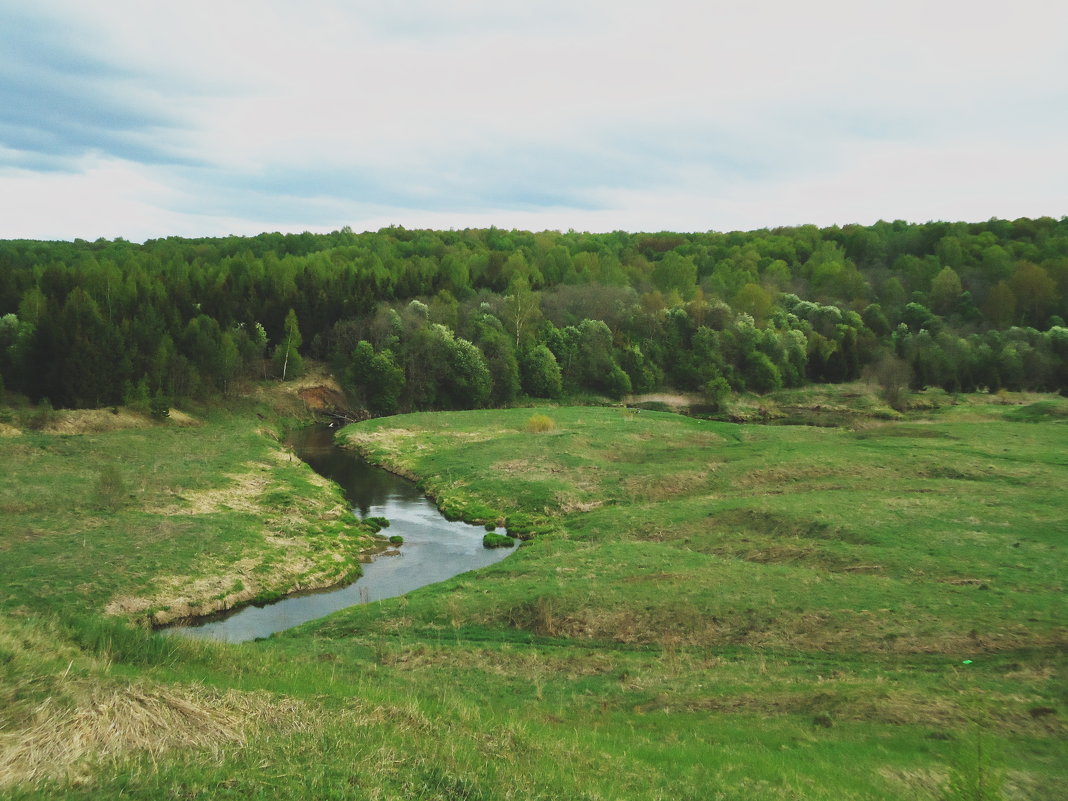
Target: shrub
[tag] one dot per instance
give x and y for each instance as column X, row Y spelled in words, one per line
column 716, row 391
column 110, row 489
column 396, row 539
column 538, row 423
column 160, row 406
column 42, row 416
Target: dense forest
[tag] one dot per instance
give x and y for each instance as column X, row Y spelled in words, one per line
column 455, row 319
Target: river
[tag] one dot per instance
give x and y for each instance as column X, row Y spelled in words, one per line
column 434, row 548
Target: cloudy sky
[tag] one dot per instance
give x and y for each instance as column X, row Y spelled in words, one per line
column 142, row 119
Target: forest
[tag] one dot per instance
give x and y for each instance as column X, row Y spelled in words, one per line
column 422, row 320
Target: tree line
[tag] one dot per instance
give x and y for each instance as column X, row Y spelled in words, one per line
column 426, row 319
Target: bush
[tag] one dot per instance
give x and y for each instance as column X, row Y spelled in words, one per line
column 396, row 539
column 716, row 391
column 42, row 416
column 492, row 540
column 538, row 423
column 893, row 375
column 160, row 406
column 540, row 373
column 110, row 489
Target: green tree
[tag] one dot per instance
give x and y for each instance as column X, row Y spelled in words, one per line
column 464, row 380
column 374, row 379
column 644, row 375
column 287, row 359
column 761, row 375
column 755, row 301
column 1000, row 306
column 596, row 364
column 617, row 383
column 540, row 373
column 1035, row 292
column 677, row 273
column 384, row 383
column 502, row 364
column 716, row 391
column 521, row 311
column 945, row 291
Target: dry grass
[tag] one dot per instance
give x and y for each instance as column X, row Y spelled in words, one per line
column 241, row 495
column 665, row 487
column 567, row 503
column 801, row 477
column 290, row 562
column 95, row 421
column 676, row 401
column 111, row 724
column 539, row 423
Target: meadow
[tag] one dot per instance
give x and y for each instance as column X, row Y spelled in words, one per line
column 699, row 609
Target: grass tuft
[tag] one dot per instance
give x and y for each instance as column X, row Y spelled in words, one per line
column 539, row 423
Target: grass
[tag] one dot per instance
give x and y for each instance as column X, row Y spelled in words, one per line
column 701, row 610
column 158, row 522
column 947, row 543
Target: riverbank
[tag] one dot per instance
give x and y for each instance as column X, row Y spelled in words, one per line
column 167, row 522
column 430, row 548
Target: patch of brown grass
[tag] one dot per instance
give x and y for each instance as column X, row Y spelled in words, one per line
column 675, row 401
column 795, row 474
column 112, row 723
column 290, row 560
column 568, row 504
column 240, row 495
column 96, row 421
column 665, row 487
column 539, row 423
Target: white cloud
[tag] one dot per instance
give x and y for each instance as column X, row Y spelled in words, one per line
column 590, row 115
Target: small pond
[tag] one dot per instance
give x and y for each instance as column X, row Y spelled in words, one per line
column 434, row 548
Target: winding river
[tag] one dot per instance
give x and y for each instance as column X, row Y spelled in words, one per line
column 434, row 548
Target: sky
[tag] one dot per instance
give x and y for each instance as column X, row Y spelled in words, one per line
column 139, row 120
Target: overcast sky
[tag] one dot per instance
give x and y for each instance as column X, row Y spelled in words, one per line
column 141, row 119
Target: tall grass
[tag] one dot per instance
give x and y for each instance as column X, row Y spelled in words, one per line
column 539, row 424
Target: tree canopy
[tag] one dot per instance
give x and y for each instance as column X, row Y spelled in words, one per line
column 448, row 319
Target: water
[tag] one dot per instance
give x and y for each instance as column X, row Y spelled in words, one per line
column 434, row 548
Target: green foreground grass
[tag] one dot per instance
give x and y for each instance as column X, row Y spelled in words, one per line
column 702, row 610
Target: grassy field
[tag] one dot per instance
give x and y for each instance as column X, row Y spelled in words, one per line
column 166, row 521
column 701, row 610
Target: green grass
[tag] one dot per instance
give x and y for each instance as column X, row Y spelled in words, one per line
column 184, row 503
column 701, row 610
